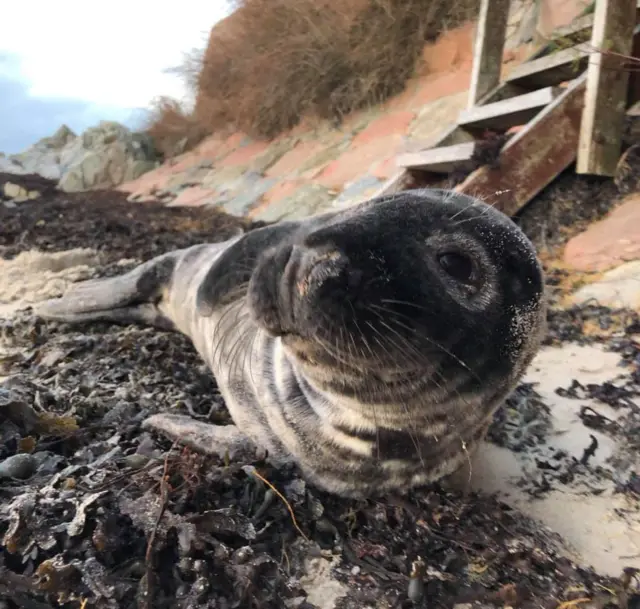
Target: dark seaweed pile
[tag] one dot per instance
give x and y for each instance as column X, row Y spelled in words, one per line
column 99, row 513
column 104, row 220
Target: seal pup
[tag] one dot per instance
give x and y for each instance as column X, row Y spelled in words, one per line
column 371, row 345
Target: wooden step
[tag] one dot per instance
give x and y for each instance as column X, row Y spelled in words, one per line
column 551, row 70
column 535, row 156
column 437, row 160
column 507, row 113
column 405, row 178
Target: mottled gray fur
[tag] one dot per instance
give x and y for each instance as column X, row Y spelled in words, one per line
column 371, row 345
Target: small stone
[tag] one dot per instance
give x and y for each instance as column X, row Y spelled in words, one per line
column 18, row 411
column 15, row 192
column 48, row 463
column 52, row 358
column 295, row 489
column 617, row 288
column 242, row 555
column 121, row 413
column 121, row 393
column 135, row 461
column 20, row 466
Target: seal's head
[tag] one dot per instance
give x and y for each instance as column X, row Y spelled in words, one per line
column 418, row 291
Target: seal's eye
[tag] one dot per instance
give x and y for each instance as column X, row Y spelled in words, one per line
column 458, row 266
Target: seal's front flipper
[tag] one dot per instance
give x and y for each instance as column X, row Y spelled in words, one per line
column 219, row 440
column 125, row 299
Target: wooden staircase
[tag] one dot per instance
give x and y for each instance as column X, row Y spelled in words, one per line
column 568, row 99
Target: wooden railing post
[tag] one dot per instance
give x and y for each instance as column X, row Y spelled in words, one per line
column 606, row 91
column 488, row 49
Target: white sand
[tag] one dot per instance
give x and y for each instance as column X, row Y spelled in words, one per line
column 35, row 276
column 594, row 533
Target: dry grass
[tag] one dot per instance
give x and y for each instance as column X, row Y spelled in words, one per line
column 275, row 61
column 172, row 129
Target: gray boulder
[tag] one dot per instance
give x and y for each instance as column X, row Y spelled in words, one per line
column 103, row 156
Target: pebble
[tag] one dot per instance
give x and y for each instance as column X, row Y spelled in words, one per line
column 242, row 555
column 120, row 413
column 135, row 461
column 20, row 466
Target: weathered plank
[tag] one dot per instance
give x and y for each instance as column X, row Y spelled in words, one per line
column 551, row 69
column 491, row 31
column 404, row 179
column 437, row 160
column 606, row 93
column 504, row 114
column 503, row 91
column 534, row 156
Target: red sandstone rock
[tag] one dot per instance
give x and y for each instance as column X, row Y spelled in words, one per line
column 243, row 155
column 193, row 196
column 357, row 161
column 295, row 158
column 388, row 124
column 613, row 240
column 280, row 191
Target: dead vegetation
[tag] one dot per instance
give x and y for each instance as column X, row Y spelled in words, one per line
column 172, row 128
column 274, row 62
column 328, row 58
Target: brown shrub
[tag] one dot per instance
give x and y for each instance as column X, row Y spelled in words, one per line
column 172, row 129
column 273, row 62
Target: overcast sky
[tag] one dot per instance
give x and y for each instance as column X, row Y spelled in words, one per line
column 78, row 63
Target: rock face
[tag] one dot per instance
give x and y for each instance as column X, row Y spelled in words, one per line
column 102, row 157
column 611, row 241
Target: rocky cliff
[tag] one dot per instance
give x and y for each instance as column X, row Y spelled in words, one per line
column 103, row 156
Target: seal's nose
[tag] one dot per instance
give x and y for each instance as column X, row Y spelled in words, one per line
column 316, row 267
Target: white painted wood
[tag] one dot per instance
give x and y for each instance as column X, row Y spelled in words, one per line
column 507, row 113
column 602, row 123
column 489, row 48
column 437, row 160
column 552, row 69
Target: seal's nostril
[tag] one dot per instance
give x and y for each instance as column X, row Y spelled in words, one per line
column 458, row 266
column 324, row 266
column 315, row 268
